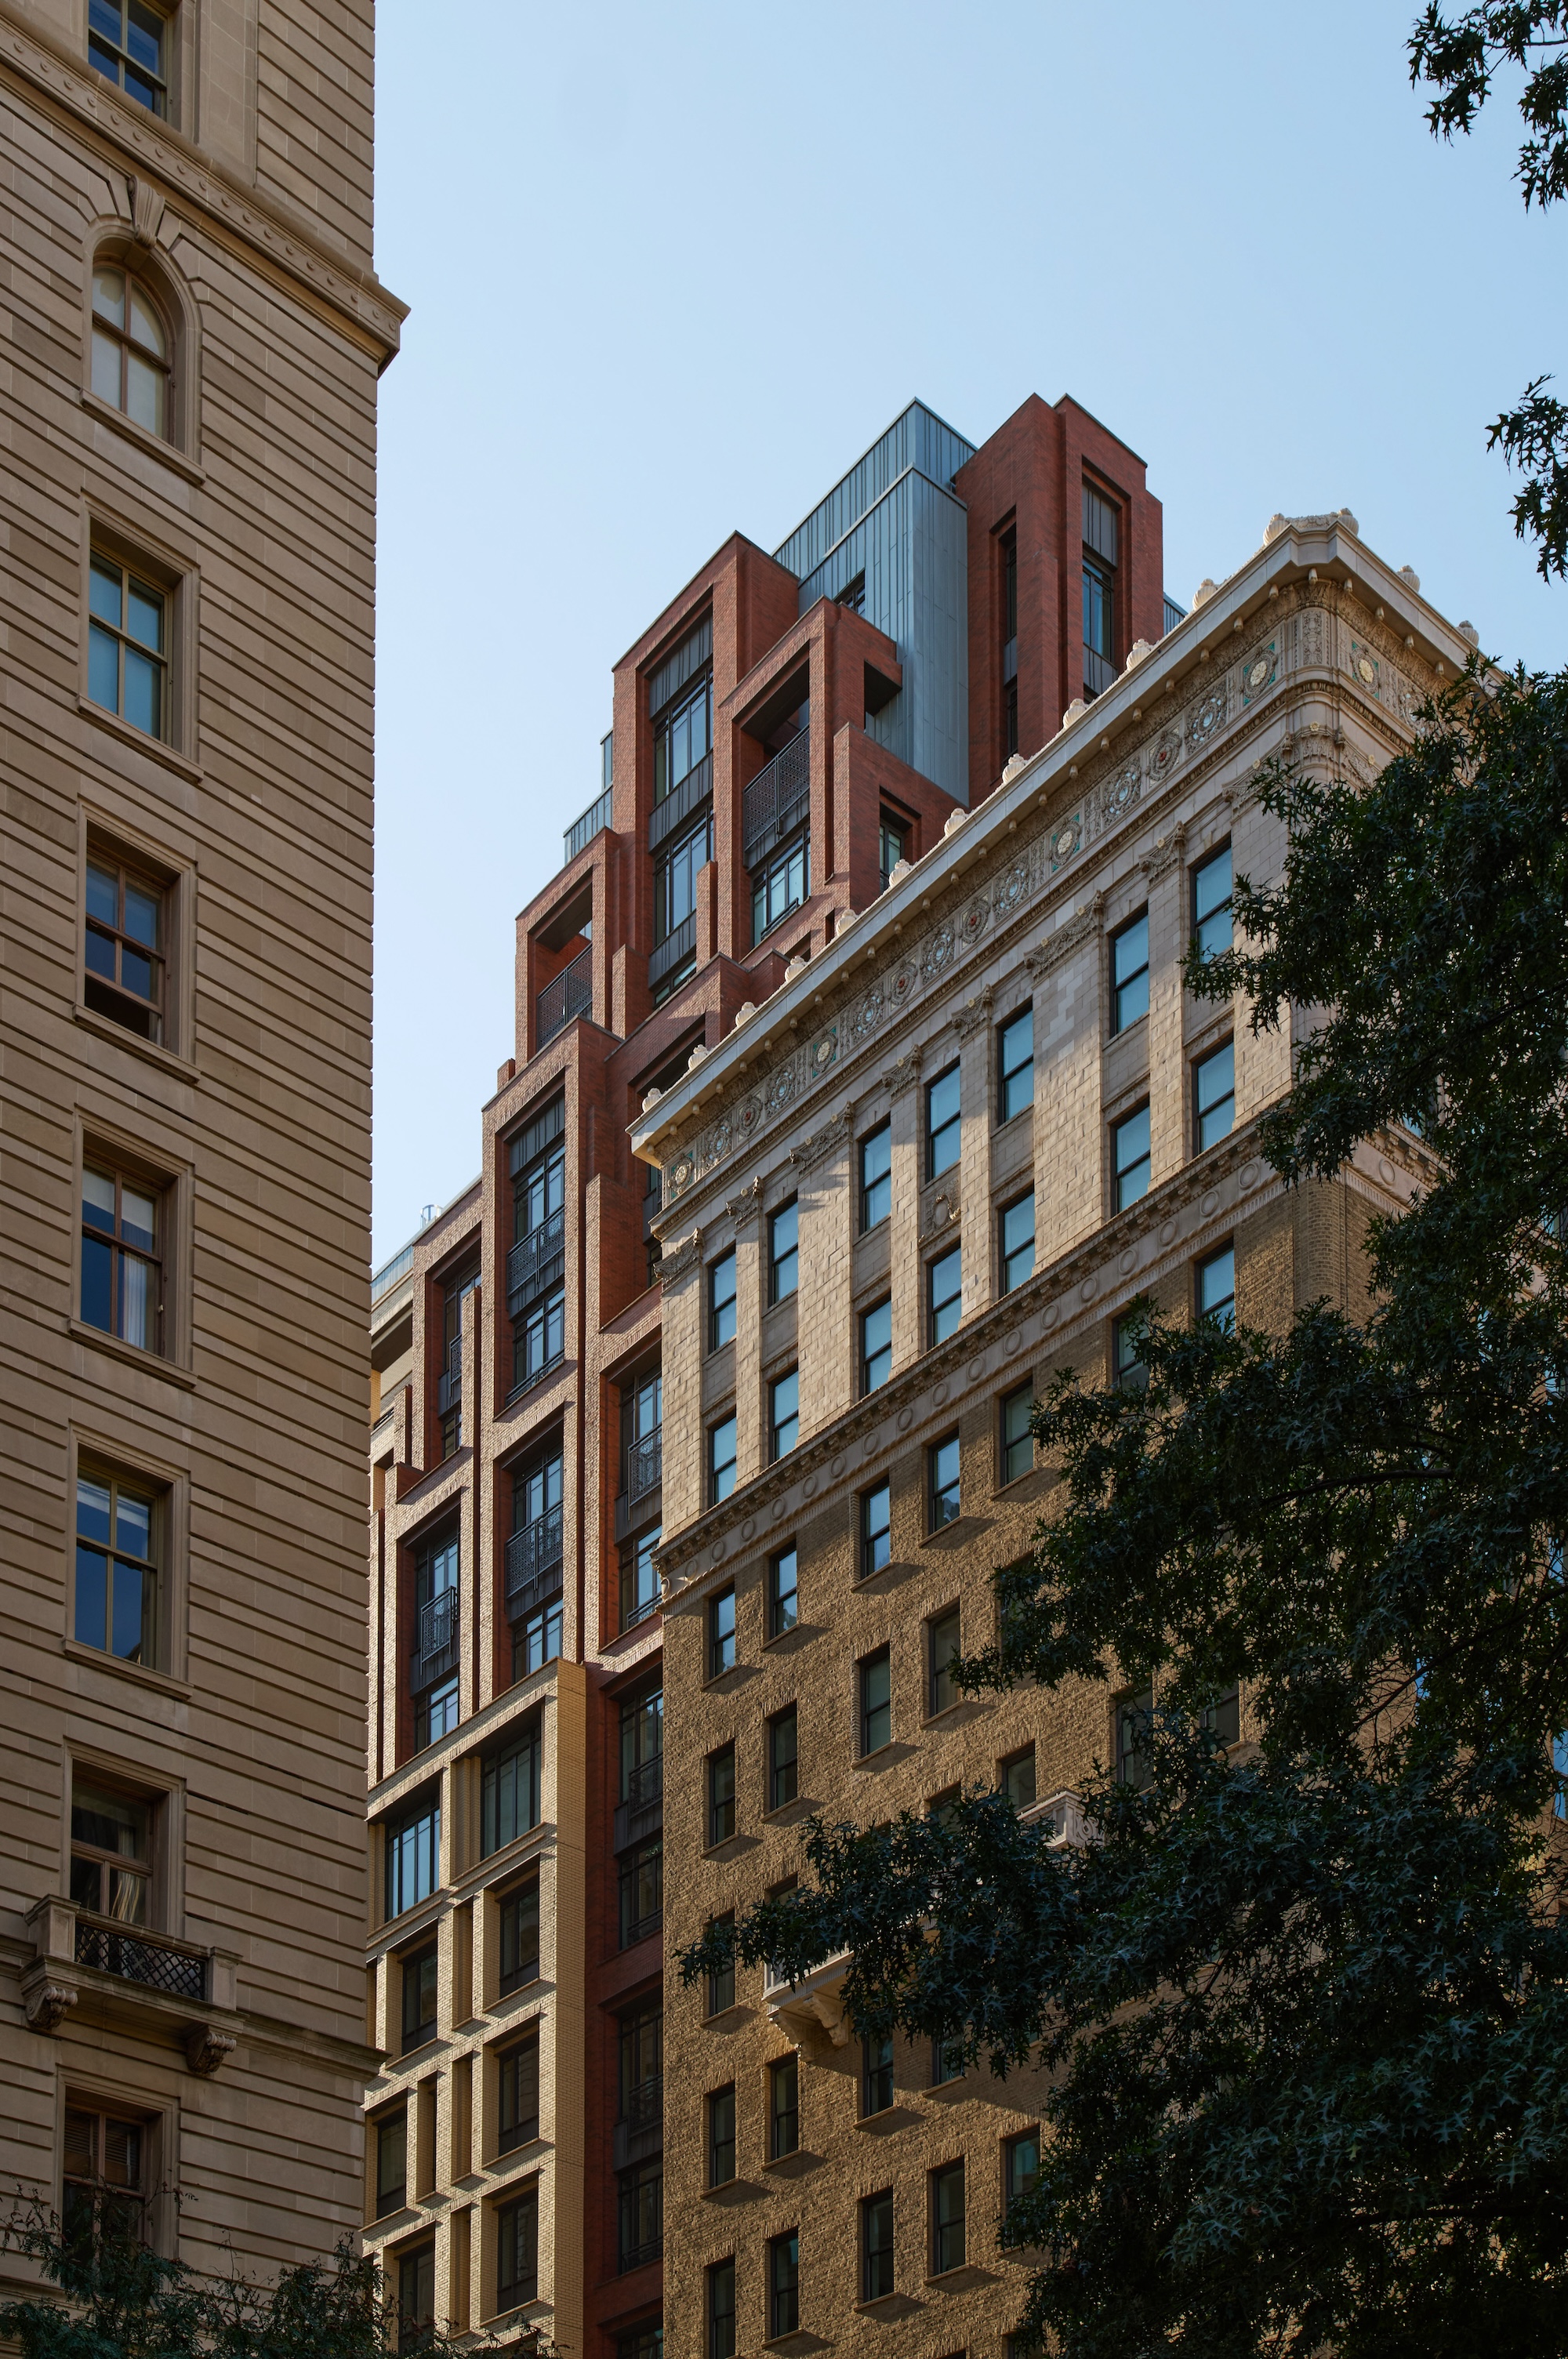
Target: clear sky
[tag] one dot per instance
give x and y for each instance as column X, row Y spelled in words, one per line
column 672, row 268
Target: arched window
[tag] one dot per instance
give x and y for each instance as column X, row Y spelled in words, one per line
column 130, row 348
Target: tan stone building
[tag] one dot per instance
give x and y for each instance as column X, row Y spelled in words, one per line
column 193, row 332
column 930, row 1171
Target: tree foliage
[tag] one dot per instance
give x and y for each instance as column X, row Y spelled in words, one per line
column 1305, row 2004
column 119, row 2299
column 1459, row 60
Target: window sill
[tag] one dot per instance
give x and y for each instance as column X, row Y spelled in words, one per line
column 1127, row 1030
column 937, row 1719
column 120, row 1036
column 153, row 1362
column 141, row 1674
column 949, row 1531
column 1017, row 1482
column 154, row 445
column 736, row 2007
column 783, row 1813
column 153, row 748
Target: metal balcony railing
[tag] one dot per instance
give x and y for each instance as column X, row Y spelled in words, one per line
column 571, row 994
column 435, row 1653
column 640, row 2132
column 642, row 1811
column 449, row 1384
column 777, row 800
column 644, row 1464
column 672, row 951
column 688, row 796
column 145, row 1958
column 536, row 1261
column 582, row 831
column 533, row 1563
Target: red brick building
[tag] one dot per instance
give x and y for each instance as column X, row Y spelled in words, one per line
column 787, row 731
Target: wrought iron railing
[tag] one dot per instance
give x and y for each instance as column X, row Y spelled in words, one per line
column 137, row 1958
column 583, row 829
column 644, row 2106
column 436, row 1652
column 571, row 994
column 644, row 1782
column 694, row 789
column 777, row 800
column 536, row 1261
column 672, row 951
column 533, row 1562
column 644, row 1464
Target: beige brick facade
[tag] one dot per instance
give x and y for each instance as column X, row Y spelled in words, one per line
column 1313, row 648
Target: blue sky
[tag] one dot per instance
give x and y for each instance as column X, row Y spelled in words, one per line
column 672, row 268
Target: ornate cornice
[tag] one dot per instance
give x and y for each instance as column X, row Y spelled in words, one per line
column 136, row 144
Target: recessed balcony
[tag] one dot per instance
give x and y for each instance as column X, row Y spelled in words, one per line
column 536, row 1262
column 435, row 1649
column 562, row 1000
column 777, row 800
column 533, row 1560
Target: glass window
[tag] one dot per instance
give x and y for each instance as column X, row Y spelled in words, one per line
column 538, row 1188
column 877, row 2245
column 1214, row 1094
column 722, row 1300
column 539, row 1339
column 130, row 348
column 675, row 880
column 682, row 735
column 875, row 1345
column 519, row 1914
column 1216, row 1288
column 1015, row 1065
column 127, row 661
column 1211, row 904
column 943, row 1648
column 518, row 2074
column 784, row 1413
column 721, row 1460
column 783, row 1757
column 413, row 1857
column 535, row 1641
column 721, row 2310
column 852, row 595
column 892, row 840
column 642, row 1748
column 421, row 1978
column 1130, row 1142
column 509, row 1791
column 947, row 2062
column 125, row 42
column 944, row 1295
column 642, row 1893
column 1017, row 1243
column 125, row 977
column 783, row 1252
column 784, row 2283
column 122, row 1277
column 642, row 2067
column 415, row 2297
column 721, row 1794
column 947, row 2218
column 1129, row 973
column 784, row 2106
column 783, row 1592
column 642, row 1590
column 105, row 2191
column 1101, row 543
column 721, row 1985
column 435, row 1715
column 876, row 2075
column 875, row 1529
column 943, row 1460
column 1127, row 1371
column 1018, row 1779
column 517, row 2250
column 875, row 1701
column 1018, row 1435
column 641, row 2341
column 1225, row 1718
column 1020, row 2168
column 780, row 885
column 720, row 1633
column 641, row 2214
column 116, row 1575
column 391, row 2134
column 876, row 1176
column 722, row 2136
column 111, row 1853
column 1133, row 1765
column 943, row 1126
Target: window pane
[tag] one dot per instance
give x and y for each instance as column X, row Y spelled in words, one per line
column 144, row 692
column 136, row 1301
column 1216, row 1288
column 128, row 1634
column 106, row 590
column 876, row 1176
column 1018, row 1779
column 144, row 392
column 785, row 1230
column 944, row 1474
column 876, row 1346
column 943, row 1128
column 876, row 1539
column 141, row 916
column 1017, row 1439
column 1131, row 1138
column 721, row 1634
column 1210, row 905
column 875, row 1702
column 946, row 1284
column 146, row 328
column 722, row 1459
column 1129, row 973
column 103, row 669
column 90, row 1626
column 722, row 1302
column 1017, row 1243
column 1017, row 1051
column 784, row 1599
column 1215, row 1083
column 786, row 1413
column 138, row 1212
column 145, row 615
column 105, row 367
column 109, row 294
column 98, row 1200
column 98, row 1284
column 93, row 1509
column 783, row 1745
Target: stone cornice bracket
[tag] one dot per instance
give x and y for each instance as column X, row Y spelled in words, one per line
column 1167, row 854
column 206, row 2049
column 975, row 1014
column 47, row 2005
column 825, row 1141
column 1057, row 948
column 147, row 210
column 747, row 1205
column 678, row 1261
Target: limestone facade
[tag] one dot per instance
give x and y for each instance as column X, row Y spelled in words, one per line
column 193, row 333
column 793, row 2154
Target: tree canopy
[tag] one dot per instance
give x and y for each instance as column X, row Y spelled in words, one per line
column 1304, row 2002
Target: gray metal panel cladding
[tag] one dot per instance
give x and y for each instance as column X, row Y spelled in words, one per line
column 918, row 439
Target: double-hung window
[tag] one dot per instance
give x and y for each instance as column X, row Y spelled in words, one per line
column 783, row 1251
column 783, row 2107
column 1129, row 973
column 721, row 1460
column 1018, row 1779
column 944, row 1295
column 1015, row 1065
column 105, row 2190
column 784, row 2283
column 121, row 1269
column 722, row 1300
column 1216, row 1288
column 413, row 1856
column 942, row 1653
column 875, row 2076
column 124, row 964
column 877, row 1345
column 1017, row 1242
column 942, row 1478
column 721, row 1633
column 1212, row 903
column 128, row 44
column 721, row 1794
column 111, row 1853
column 1129, row 1153
column 721, row 2135
column 783, row 1592
column 1020, row 2168
column 116, row 1572
column 947, row 2219
column 877, row 2278
column 784, row 1413
column 876, row 1176
column 875, row 1529
column 944, row 1124
column 780, row 885
column 130, row 348
column 783, row 1757
column 876, row 1680
column 127, row 645
column 1017, row 1433
column 1214, row 1096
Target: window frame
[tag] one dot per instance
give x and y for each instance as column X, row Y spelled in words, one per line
column 884, row 1179
column 878, row 2085
column 778, row 1447
column 942, row 1694
column 1006, row 1074
column 869, row 1534
column 937, row 1490
column 784, row 2283
column 1227, row 1304
column 1203, row 1064
column 782, row 1768
column 162, row 81
column 143, row 1870
column 722, row 1801
column 718, row 1307
column 783, row 2071
column 883, row 1353
column 1118, row 1173
column 108, row 1161
column 511, row 1904
column 1009, row 1283
column 392, row 2123
column 1012, row 1762
column 95, row 2186
column 89, row 1467
column 777, row 1261
column 416, row 2030
column 953, row 1122
column 1121, row 1022
column 778, row 1596
column 716, row 1469
column 880, row 2205
column 721, row 1639
column 1007, row 1443
column 952, row 1263
column 516, row 2205
column 1012, row 2145
column 867, row 1714
column 944, row 2177
column 1200, row 869
column 509, row 2060
column 720, row 2307
column 131, row 571
column 126, row 344
column 1129, row 1373
column 718, row 2106
column 423, row 1811
column 719, row 1989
